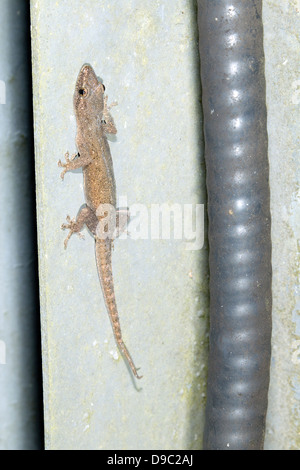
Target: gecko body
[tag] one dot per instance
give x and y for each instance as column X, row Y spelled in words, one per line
column 94, row 121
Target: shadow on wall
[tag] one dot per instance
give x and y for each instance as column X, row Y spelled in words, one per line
column 194, row 433
column 21, row 422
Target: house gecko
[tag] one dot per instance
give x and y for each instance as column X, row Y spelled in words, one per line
column 94, row 121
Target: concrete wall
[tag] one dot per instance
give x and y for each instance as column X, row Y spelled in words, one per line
column 147, row 55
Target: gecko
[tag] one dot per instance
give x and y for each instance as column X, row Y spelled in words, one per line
column 94, row 122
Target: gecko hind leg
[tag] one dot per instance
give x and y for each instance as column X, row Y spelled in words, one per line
column 122, row 220
column 86, row 216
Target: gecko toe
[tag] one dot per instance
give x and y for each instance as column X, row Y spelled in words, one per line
column 67, row 156
column 62, row 175
column 80, row 235
column 137, row 375
column 66, row 241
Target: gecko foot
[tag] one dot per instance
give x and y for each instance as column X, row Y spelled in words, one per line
column 66, row 166
column 114, row 103
column 122, row 220
column 71, row 225
column 108, row 107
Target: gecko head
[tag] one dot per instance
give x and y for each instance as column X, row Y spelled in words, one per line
column 89, row 93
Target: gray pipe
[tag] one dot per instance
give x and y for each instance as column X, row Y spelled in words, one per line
column 233, row 87
column 21, row 407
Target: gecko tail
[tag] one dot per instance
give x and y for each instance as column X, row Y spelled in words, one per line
column 103, row 260
column 126, row 354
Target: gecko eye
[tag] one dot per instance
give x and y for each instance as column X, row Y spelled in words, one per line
column 103, row 87
column 83, row 91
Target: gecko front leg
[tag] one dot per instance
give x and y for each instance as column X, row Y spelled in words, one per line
column 76, row 161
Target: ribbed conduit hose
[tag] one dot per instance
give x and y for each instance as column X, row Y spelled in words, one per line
column 234, row 107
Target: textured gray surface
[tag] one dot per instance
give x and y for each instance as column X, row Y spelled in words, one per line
column 146, row 53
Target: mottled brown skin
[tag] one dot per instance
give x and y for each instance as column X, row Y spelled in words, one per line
column 93, row 123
